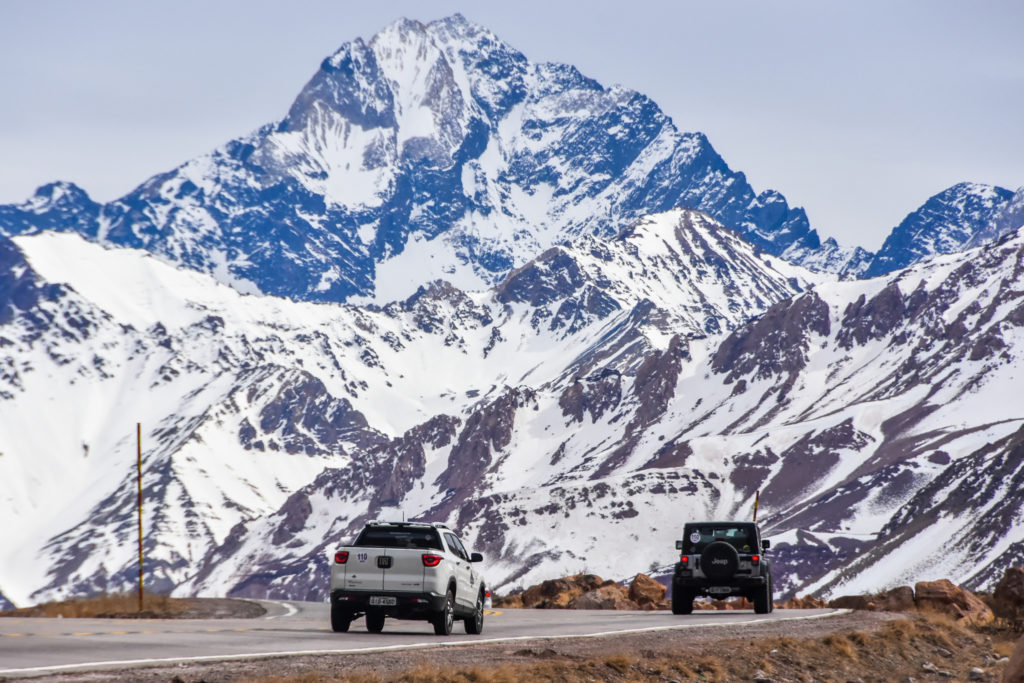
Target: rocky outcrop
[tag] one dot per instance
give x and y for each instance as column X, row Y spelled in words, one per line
column 946, row 597
column 646, row 592
column 1008, row 597
column 1014, row 671
column 589, row 591
column 939, row 596
column 611, row 596
column 805, row 602
column 774, row 344
column 486, row 432
column 555, row 593
column 899, row 599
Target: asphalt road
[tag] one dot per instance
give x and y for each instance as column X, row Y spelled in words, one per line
column 45, row 646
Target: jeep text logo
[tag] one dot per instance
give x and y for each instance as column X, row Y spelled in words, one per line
column 719, row 560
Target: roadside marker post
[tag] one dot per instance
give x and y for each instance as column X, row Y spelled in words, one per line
column 138, row 467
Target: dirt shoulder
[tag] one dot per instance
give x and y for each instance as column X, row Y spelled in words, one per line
column 154, row 607
column 862, row 646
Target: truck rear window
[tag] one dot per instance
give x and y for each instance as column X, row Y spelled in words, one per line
column 399, row 537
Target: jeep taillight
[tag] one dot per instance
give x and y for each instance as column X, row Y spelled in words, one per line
column 431, row 560
column 755, row 558
column 341, row 557
column 684, row 559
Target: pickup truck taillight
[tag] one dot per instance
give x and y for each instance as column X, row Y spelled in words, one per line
column 341, row 557
column 431, row 560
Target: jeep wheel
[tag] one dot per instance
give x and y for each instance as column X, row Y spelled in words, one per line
column 374, row 622
column 475, row 623
column 682, row 603
column 445, row 619
column 340, row 620
column 763, row 598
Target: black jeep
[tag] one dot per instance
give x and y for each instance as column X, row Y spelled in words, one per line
column 721, row 560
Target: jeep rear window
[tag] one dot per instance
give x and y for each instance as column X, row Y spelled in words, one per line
column 399, row 537
column 740, row 537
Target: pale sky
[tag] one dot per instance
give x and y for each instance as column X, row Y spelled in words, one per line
column 856, row 111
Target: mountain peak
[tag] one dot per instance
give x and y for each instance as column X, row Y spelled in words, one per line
column 948, row 222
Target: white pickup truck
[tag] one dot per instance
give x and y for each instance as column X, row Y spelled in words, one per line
column 407, row 570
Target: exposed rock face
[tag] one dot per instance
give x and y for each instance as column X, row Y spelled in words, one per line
column 485, row 433
column 605, row 597
column 776, row 343
column 946, row 223
column 558, row 593
column 402, row 460
column 899, row 599
column 20, row 287
column 1014, row 671
column 945, row 596
column 805, row 602
column 646, row 592
column 593, row 396
column 1008, row 596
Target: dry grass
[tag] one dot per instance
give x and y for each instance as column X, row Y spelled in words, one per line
column 121, row 605
column 896, row 651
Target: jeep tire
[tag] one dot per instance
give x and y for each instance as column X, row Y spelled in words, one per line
column 764, row 598
column 682, row 602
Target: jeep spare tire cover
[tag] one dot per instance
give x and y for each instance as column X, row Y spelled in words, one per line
column 719, row 560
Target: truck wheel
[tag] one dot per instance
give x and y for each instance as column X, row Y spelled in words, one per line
column 374, row 622
column 339, row 619
column 445, row 619
column 682, row 603
column 475, row 623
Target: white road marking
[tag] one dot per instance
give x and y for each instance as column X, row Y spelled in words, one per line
column 291, row 609
column 388, row 648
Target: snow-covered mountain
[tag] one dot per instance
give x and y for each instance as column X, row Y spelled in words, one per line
column 246, row 399
column 431, row 151
column 959, row 217
column 880, row 419
column 572, row 408
column 454, row 284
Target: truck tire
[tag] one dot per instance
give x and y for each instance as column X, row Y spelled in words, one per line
column 445, row 619
column 682, row 602
column 475, row 623
column 340, row 620
column 374, row 622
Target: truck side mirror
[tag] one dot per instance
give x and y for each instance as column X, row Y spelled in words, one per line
column 679, row 545
column 765, row 544
column 476, row 557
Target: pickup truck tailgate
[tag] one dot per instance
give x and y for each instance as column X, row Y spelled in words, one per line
column 390, row 569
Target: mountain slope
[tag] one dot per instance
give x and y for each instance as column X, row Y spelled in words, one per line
column 245, row 400
column 864, row 412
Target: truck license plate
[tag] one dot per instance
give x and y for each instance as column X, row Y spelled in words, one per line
column 383, row 600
